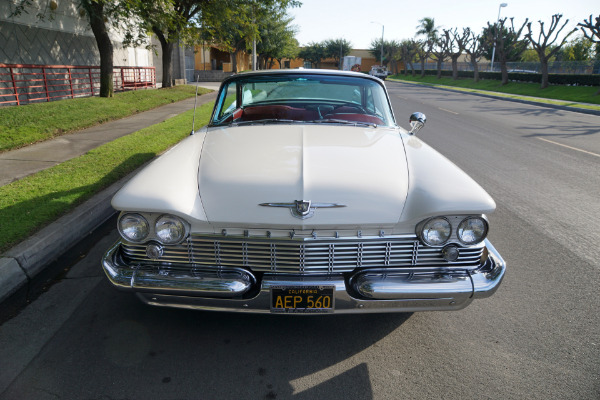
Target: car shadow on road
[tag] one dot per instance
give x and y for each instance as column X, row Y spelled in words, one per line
column 122, row 348
column 233, row 355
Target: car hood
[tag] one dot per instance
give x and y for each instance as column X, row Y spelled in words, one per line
column 362, row 168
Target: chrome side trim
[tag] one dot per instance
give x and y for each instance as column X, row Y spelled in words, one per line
column 382, row 285
column 387, row 284
column 487, row 279
column 218, row 283
column 345, row 303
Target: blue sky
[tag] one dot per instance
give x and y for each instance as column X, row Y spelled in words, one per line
column 318, row 20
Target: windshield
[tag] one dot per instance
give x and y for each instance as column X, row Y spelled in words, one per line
column 298, row 98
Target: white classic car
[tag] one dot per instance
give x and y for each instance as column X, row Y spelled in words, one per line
column 302, row 195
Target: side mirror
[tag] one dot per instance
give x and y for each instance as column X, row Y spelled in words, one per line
column 417, row 121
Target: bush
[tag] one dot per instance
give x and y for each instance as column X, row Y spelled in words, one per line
column 554, row 79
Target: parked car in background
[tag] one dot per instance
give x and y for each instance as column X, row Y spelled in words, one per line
column 522, row 71
column 303, row 195
column 379, row 71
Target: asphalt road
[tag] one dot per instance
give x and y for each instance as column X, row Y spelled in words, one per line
column 537, row 337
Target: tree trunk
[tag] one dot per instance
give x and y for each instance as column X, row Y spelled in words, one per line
column 422, row 68
column 475, row 71
column 455, row 66
column 167, row 55
column 504, row 72
column 439, row 68
column 544, row 65
column 233, row 57
column 105, row 48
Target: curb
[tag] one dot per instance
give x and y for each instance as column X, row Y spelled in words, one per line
column 23, row 262
column 491, row 96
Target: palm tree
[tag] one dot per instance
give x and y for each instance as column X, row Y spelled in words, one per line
column 427, row 28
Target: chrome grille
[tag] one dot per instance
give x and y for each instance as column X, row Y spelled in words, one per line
column 303, row 255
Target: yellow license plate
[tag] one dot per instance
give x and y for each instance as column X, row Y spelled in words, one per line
column 302, row 299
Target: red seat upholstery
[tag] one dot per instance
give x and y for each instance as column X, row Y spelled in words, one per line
column 255, row 113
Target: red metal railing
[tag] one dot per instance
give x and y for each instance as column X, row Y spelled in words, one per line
column 26, row 83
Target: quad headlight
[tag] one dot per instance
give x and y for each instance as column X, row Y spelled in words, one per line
column 169, row 229
column 165, row 229
column 436, row 231
column 133, row 227
column 472, row 230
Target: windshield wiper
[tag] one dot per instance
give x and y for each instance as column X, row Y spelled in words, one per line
column 342, row 121
column 266, row 121
column 293, row 121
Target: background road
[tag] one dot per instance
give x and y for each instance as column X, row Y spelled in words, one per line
column 537, row 337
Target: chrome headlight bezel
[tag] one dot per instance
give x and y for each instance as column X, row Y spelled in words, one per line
column 143, row 223
column 177, row 224
column 423, row 227
column 153, row 229
column 482, row 235
column 456, row 224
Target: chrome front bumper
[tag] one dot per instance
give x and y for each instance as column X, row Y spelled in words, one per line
column 366, row 291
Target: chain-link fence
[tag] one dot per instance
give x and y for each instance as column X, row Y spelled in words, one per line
column 554, row 67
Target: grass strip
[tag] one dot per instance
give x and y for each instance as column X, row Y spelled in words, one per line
column 24, row 125
column 555, row 94
column 33, row 202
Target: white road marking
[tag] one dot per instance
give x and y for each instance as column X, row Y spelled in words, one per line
column 569, row 147
column 451, row 112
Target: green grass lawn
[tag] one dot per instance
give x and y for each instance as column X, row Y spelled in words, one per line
column 567, row 94
column 30, row 203
column 23, row 125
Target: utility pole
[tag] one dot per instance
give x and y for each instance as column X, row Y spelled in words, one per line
column 382, row 28
column 496, row 37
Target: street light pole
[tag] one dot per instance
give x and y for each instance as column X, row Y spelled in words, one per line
column 382, row 28
column 495, row 38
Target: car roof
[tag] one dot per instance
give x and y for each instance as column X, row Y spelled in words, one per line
column 330, row 72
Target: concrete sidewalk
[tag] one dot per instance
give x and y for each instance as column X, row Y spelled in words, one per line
column 20, row 264
column 16, row 164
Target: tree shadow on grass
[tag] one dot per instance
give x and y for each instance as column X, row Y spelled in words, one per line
column 24, row 218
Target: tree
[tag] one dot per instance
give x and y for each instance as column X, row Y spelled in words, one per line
column 440, row 52
column 174, row 21
column 593, row 34
column 408, row 51
column 593, row 28
column 429, row 32
column 427, row 29
column 289, row 49
column 390, row 48
column 475, row 51
column 508, row 45
column 277, row 39
column 171, row 21
column 336, row 48
column 456, row 45
column 530, row 55
column 226, row 28
column 313, row 53
column 101, row 14
column 544, row 41
column 579, row 49
column 424, row 48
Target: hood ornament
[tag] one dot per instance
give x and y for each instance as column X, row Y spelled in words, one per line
column 303, row 209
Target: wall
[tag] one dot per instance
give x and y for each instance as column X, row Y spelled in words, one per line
column 63, row 37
